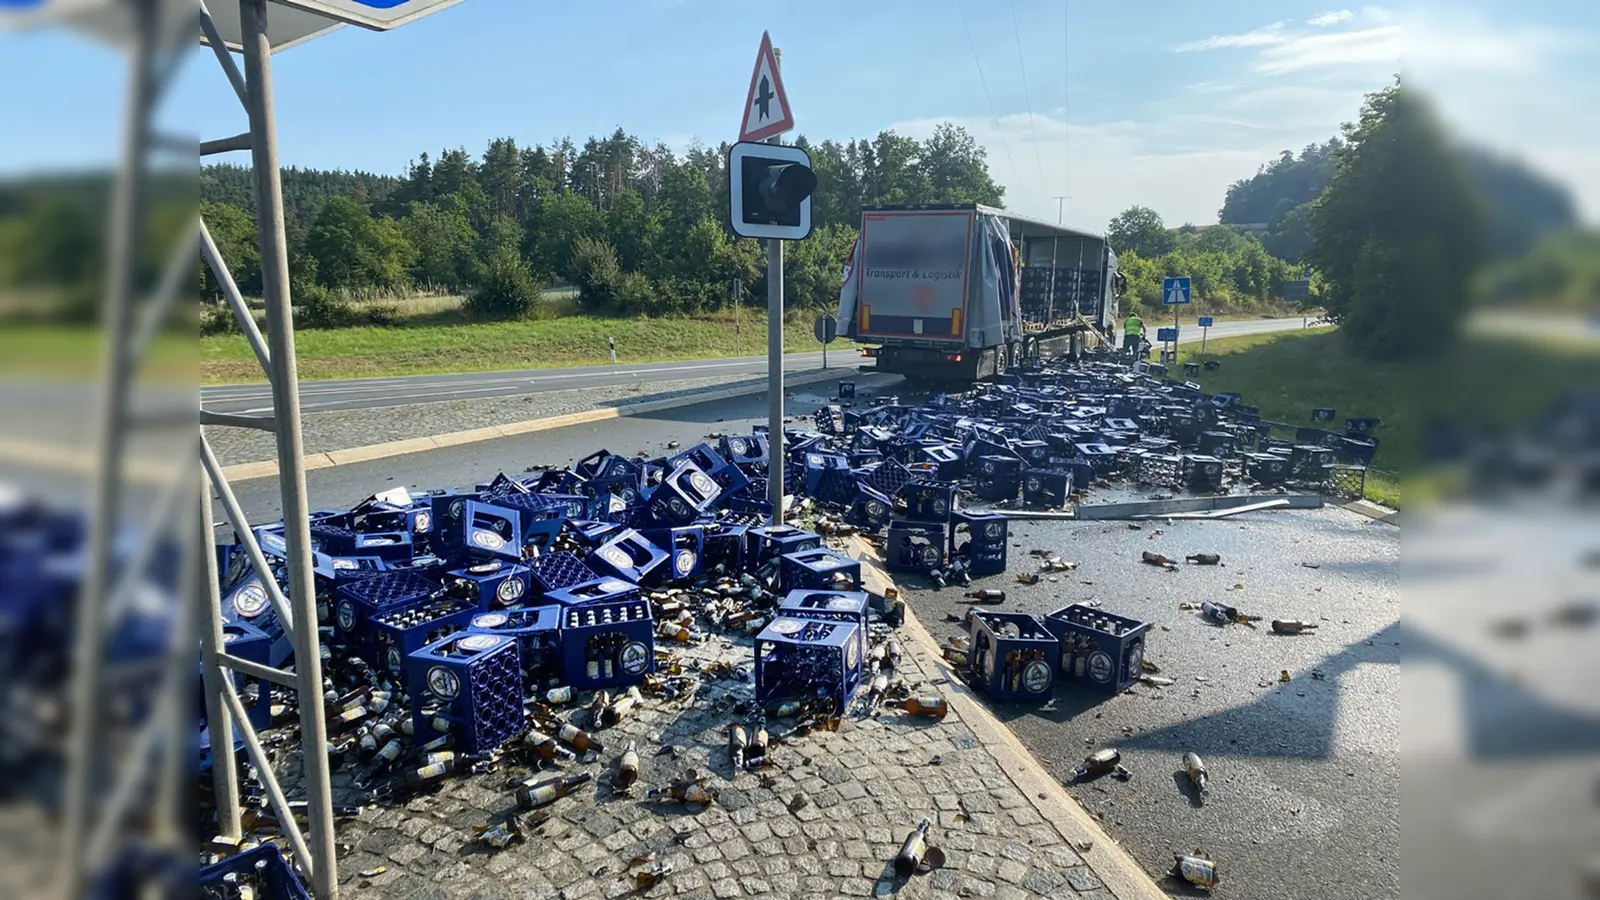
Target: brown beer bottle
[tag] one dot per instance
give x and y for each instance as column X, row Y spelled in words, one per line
column 580, row 739
column 988, row 595
column 755, row 753
column 1156, row 559
column 628, row 767
column 546, row 746
column 1195, row 769
column 736, row 742
column 1291, row 626
column 926, row 705
column 532, row 794
column 1204, row 559
column 910, row 855
column 1099, row 763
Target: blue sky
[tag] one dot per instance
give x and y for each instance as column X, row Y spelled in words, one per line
column 1160, row 102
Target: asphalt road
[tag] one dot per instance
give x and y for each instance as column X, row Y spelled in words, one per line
column 366, row 393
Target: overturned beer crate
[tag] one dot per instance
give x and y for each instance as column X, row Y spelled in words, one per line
column 537, row 631
column 809, row 661
column 607, row 644
column 472, row 683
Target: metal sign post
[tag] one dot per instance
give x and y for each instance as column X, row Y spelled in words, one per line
column 1175, row 292
column 826, row 329
column 1205, row 327
column 737, row 290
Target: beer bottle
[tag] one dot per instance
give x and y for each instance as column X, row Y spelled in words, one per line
column 1291, row 626
column 645, row 879
column 1219, row 612
column 1204, row 559
column 559, row 694
column 736, row 744
column 1195, row 769
column 788, row 709
column 580, row 739
column 927, row 705
column 534, row 794
column 601, row 700
column 755, row 754
column 367, row 746
column 689, row 789
column 1196, row 870
column 678, row 634
column 893, row 649
column 613, row 714
column 430, row 774
column 988, row 596
column 1156, row 559
column 546, row 747
column 1099, row 763
column 628, row 766
column 910, row 855
column 880, row 684
column 938, row 578
column 501, row 835
column 389, row 755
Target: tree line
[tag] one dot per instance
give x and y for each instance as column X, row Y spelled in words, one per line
column 637, row 229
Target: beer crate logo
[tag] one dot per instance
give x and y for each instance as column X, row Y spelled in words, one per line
column 443, row 683
column 251, row 600
column 616, row 557
column 852, row 655
column 1036, row 677
column 843, row 603
column 476, row 642
column 488, row 540
column 738, row 446
column 347, row 616
column 490, row 620
column 635, row 658
column 994, row 530
column 393, row 657
column 485, row 568
column 1100, row 665
column 613, row 586
column 931, row 557
column 422, row 522
column 684, row 563
column 510, row 590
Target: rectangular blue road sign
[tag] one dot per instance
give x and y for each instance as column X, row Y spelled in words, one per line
column 1297, row 290
column 1175, row 291
column 1205, row 321
column 1165, row 335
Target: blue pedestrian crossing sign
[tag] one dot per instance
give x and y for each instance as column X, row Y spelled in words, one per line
column 1175, row 291
column 1205, row 322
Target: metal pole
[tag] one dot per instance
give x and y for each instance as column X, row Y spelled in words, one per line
column 323, row 863
column 127, row 213
column 775, row 362
column 737, row 346
column 224, row 774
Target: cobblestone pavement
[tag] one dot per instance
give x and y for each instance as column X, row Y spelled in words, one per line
column 341, row 429
column 864, row 788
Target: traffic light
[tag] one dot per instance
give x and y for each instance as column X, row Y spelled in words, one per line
column 769, row 189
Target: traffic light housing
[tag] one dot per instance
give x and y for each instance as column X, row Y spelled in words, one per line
column 769, row 190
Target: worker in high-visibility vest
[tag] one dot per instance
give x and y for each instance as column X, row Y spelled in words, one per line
column 1133, row 334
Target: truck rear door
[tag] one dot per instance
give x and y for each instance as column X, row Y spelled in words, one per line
column 914, row 273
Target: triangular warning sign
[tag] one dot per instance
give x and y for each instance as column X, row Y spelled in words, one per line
column 766, row 107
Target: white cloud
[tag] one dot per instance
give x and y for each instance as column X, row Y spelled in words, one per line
column 1331, row 18
column 1263, row 36
column 1372, row 45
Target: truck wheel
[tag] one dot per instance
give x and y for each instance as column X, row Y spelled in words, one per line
column 1015, row 351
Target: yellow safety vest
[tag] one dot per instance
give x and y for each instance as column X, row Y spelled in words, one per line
column 1134, row 326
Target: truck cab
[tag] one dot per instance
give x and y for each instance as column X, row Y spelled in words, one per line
column 962, row 292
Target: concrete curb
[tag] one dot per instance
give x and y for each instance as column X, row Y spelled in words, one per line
column 1373, row 511
column 269, row 468
column 1114, row 866
column 79, row 461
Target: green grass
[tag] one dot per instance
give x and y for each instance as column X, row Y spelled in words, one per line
column 413, row 349
column 73, row 353
column 1497, row 381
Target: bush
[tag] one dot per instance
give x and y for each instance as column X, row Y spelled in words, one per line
column 385, row 315
column 633, row 294
column 507, row 290
column 218, row 319
column 596, row 272
column 318, row 307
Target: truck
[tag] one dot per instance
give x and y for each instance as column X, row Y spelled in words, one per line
column 965, row 292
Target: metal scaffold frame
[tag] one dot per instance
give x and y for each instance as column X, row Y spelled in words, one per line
column 314, row 853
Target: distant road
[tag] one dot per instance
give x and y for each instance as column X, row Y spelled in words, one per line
column 368, row 393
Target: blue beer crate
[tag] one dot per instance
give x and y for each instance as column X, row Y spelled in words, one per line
column 685, row 548
column 831, row 606
column 607, row 644
column 722, row 546
column 981, row 540
column 1013, row 656
column 248, row 602
column 554, row 571
column 495, row 583
column 915, row 546
column 605, row 464
column 608, row 589
column 1358, row 449
column 471, row 529
column 930, row 501
column 997, row 477
column 541, row 517
column 241, row 639
column 630, row 556
column 590, row 533
column 1034, row 453
column 1361, row 426
column 336, row 540
column 1322, row 414
column 684, row 495
column 870, row 510
column 747, row 451
column 471, row 681
column 1267, row 468
column 1102, row 458
column 398, row 633
column 847, row 390
column 819, row 570
column 1202, row 474
column 359, row 601
column 808, row 660
column 1307, row 461
column 889, row 477
column 752, row 498
column 263, row 864
column 331, row 571
column 768, row 542
column 1045, row 488
column 537, row 631
column 951, row 464
column 1099, row 649
column 709, row 461
column 1218, row 443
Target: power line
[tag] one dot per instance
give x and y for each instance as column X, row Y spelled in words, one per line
column 1016, row 32
column 1066, row 97
column 1004, row 144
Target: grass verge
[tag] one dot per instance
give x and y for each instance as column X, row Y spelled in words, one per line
column 73, row 353
column 483, row 347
